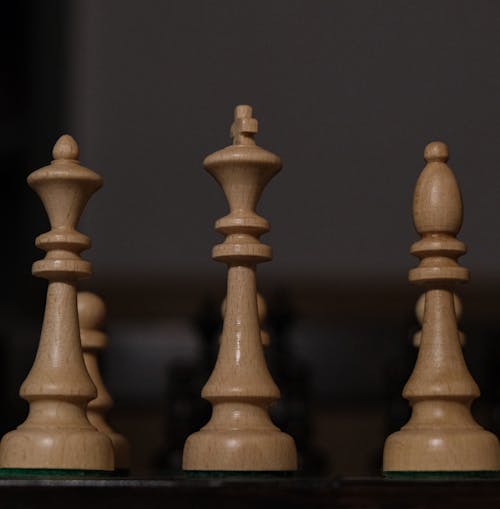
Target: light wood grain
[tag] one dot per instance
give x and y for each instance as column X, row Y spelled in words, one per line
column 441, row 434
column 240, row 435
column 262, row 313
column 92, row 315
column 419, row 314
column 57, row 433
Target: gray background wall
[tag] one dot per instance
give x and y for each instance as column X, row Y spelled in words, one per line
column 347, row 93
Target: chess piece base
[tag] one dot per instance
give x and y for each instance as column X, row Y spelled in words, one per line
column 53, row 472
column 239, row 450
column 442, row 450
column 122, row 453
column 442, row 475
column 76, row 449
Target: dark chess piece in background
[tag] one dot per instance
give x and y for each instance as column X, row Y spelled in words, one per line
column 490, row 388
column 293, row 411
column 185, row 411
column 397, row 370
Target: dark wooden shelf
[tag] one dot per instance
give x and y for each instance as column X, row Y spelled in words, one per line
column 243, row 493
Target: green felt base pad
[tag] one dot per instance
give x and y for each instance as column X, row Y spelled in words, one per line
column 442, row 475
column 53, row 472
column 204, row 474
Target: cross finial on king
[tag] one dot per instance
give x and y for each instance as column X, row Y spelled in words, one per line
column 244, row 126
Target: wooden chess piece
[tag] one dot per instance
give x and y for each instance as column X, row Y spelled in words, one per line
column 419, row 314
column 57, row 436
column 262, row 314
column 240, row 435
column 441, row 436
column 91, row 315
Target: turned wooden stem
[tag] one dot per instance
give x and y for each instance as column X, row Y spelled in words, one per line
column 241, row 354
column 59, row 349
column 419, row 313
column 440, row 348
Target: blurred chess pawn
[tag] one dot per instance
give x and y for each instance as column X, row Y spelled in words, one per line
column 262, row 312
column 419, row 313
column 92, row 315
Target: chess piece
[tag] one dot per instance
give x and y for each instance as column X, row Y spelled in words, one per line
column 57, row 435
column 91, row 315
column 240, row 435
column 419, row 314
column 262, row 314
column 441, row 435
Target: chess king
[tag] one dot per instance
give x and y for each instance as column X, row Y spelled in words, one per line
column 441, row 437
column 240, row 435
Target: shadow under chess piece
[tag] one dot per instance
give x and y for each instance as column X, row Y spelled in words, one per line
column 92, row 315
column 56, row 437
column 441, row 438
column 240, row 436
